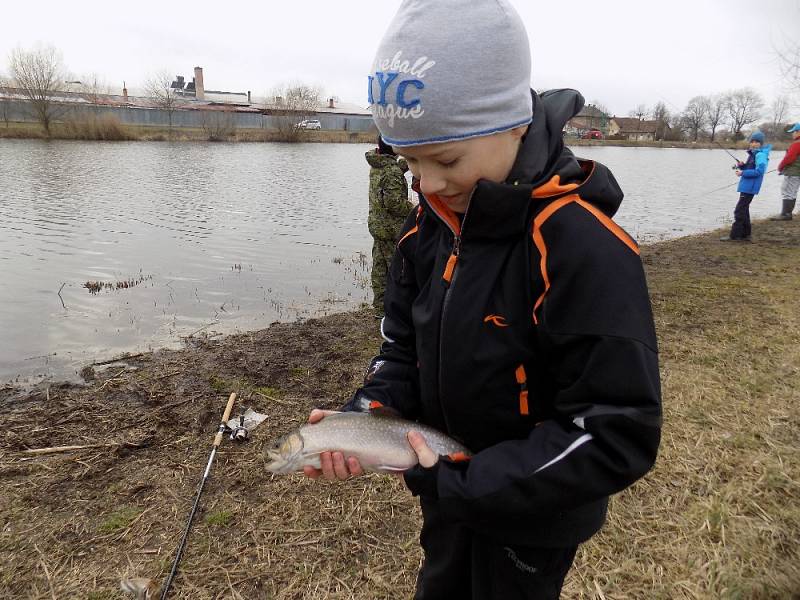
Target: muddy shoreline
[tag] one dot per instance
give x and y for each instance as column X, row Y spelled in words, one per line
column 717, row 517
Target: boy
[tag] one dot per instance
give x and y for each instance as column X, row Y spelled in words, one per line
column 752, row 174
column 388, row 209
column 789, row 167
column 517, row 314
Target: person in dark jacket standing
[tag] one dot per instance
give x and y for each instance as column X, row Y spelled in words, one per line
column 752, row 174
column 789, row 167
column 388, row 209
column 517, row 320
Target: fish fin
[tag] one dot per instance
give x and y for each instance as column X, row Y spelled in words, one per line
column 390, row 468
column 384, row 412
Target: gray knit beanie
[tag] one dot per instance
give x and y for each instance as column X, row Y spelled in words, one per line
column 450, row 70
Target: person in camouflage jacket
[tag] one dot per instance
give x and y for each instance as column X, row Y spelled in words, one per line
column 388, row 209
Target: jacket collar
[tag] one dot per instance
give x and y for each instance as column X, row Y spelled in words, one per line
column 544, row 169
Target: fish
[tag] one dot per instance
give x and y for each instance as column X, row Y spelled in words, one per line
column 379, row 443
column 142, row 588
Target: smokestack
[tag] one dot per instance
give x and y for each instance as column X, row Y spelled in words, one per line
column 330, row 103
column 199, row 88
column 124, row 92
column 248, row 96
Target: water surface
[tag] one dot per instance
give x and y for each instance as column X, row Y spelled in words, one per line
column 215, row 238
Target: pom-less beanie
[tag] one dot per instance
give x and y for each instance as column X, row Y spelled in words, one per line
column 450, row 70
column 757, row 136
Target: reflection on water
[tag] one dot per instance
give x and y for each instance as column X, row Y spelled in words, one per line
column 225, row 237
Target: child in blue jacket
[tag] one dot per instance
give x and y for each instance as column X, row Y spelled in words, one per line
column 752, row 174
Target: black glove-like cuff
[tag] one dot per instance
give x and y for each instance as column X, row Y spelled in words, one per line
column 422, row 481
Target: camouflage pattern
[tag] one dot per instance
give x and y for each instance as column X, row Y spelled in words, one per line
column 388, row 209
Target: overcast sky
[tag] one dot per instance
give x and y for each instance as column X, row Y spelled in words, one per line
column 618, row 53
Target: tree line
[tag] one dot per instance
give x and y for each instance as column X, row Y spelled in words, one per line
column 711, row 116
column 40, row 76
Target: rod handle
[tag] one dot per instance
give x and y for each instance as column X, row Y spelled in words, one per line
column 225, row 416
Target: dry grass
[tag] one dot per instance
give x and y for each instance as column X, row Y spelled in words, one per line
column 718, row 517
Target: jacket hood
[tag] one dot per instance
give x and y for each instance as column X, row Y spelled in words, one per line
column 500, row 209
column 543, row 154
column 379, row 161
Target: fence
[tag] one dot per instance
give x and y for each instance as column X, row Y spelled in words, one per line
column 20, row 110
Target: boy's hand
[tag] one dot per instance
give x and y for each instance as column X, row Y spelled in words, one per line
column 426, row 457
column 334, row 466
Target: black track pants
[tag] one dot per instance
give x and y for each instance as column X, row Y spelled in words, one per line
column 741, row 227
column 461, row 565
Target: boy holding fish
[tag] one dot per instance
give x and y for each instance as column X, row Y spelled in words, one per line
column 517, row 318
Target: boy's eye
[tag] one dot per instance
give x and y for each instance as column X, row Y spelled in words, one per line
column 448, row 163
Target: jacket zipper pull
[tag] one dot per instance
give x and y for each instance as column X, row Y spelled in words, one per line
column 451, row 262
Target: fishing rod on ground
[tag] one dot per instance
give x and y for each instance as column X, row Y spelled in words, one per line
column 223, row 427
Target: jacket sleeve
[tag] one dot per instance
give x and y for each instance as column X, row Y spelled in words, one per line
column 392, row 379
column 760, row 168
column 395, row 192
column 791, row 156
column 596, row 331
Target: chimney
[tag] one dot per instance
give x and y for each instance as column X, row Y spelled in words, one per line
column 124, row 92
column 330, row 103
column 248, row 96
column 199, row 88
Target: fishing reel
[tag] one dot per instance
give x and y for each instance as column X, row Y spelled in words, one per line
column 240, row 433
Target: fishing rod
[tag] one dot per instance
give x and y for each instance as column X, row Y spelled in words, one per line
column 726, row 150
column 725, row 187
column 217, row 441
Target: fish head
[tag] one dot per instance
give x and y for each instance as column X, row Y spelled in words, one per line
column 286, row 455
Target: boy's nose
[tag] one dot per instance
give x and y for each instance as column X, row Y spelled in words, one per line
column 429, row 183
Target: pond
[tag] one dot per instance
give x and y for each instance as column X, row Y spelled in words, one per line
column 187, row 239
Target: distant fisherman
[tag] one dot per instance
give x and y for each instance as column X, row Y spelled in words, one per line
column 790, row 169
column 388, row 209
column 752, row 173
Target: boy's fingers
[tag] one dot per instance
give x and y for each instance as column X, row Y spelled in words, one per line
column 427, row 457
column 311, row 472
column 318, row 414
column 339, row 466
column 354, row 466
column 326, row 464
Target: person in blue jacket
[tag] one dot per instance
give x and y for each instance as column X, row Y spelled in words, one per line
column 752, row 174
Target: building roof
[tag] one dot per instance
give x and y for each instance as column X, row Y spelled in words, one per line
column 634, row 125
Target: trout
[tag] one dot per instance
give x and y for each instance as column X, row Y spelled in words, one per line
column 378, row 442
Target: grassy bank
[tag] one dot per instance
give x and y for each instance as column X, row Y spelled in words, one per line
column 717, row 518
column 112, row 130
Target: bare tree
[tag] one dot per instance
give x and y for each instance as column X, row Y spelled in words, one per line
column 159, row 87
column 5, row 109
column 789, row 63
column 744, row 108
column 40, row 76
column 779, row 109
column 716, row 110
column 640, row 112
column 661, row 116
column 695, row 115
column 291, row 104
column 93, row 87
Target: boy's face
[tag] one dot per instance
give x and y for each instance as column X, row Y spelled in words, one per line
column 754, row 144
column 451, row 170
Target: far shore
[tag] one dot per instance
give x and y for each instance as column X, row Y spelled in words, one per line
column 142, row 133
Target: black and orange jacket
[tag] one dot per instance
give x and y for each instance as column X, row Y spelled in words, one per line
column 525, row 331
